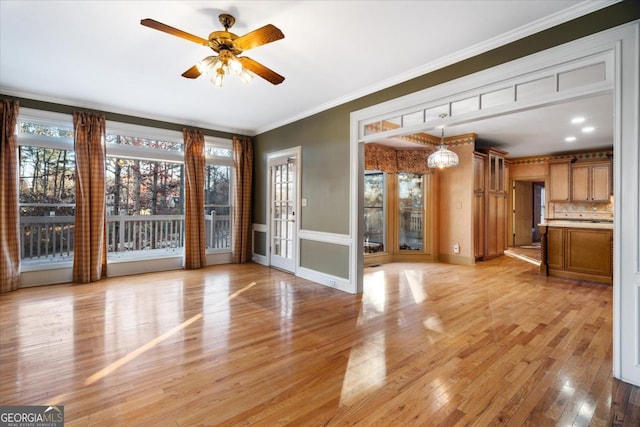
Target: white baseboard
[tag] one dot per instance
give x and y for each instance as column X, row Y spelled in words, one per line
column 260, row 259
column 325, row 279
column 50, row 276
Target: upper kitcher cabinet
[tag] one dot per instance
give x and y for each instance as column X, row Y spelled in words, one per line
column 588, row 181
column 591, row 182
column 559, row 178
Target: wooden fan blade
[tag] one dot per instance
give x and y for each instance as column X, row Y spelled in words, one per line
column 264, row 35
column 192, row 73
column 173, row 31
column 261, row 70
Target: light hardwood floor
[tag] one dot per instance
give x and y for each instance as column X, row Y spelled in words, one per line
column 425, row 345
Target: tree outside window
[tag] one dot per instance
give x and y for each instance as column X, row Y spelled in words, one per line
column 46, row 193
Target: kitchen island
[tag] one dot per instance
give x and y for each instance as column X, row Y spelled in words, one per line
column 577, row 249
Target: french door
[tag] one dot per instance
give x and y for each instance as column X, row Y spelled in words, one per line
column 283, row 215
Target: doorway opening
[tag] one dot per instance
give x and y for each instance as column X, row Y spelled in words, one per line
column 528, row 212
column 528, row 198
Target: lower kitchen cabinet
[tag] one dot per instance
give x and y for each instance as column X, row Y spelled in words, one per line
column 555, row 248
column 578, row 253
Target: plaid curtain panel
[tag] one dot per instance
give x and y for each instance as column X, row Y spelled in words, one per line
column 9, row 216
column 243, row 163
column 194, row 163
column 90, row 251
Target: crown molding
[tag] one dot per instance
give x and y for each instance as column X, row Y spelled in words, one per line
column 591, row 155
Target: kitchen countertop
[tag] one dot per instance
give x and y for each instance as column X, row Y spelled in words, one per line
column 578, row 224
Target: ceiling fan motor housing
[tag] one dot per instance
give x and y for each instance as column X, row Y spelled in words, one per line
column 223, row 40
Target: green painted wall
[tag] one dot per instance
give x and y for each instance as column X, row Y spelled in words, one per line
column 335, row 259
column 260, row 243
column 325, row 157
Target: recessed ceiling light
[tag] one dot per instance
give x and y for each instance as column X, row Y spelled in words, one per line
column 576, row 120
column 570, row 138
column 588, row 129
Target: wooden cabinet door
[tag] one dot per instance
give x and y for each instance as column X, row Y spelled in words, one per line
column 580, row 183
column 478, row 225
column 559, row 182
column 588, row 251
column 600, row 182
column 496, row 220
column 479, row 207
column 478, row 173
column 490, row 203
column 555, row 248
column 491, row 245
column 591, row 182
column 501, row 223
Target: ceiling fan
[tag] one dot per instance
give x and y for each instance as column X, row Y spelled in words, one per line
column 228, row 46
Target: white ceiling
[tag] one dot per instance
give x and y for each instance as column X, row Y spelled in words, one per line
column 95, row 54
column 543, row 130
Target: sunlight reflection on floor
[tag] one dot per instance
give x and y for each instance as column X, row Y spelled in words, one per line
column 366, row 370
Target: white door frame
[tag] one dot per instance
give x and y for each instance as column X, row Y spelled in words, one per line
column 295, row 152
column 622, row 44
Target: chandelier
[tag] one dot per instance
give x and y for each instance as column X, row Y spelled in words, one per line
column 442, row 157
column 224, row 64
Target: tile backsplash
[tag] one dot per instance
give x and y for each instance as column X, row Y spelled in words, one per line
column 581, row 210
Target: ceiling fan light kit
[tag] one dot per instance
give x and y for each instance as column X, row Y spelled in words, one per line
column 228, row 46
column 224, row 64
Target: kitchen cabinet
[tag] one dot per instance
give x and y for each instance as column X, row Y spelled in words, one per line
column 478, row 205
column 588, row 181
column 588, row 251
column 578, row 251
column 559, row 178
column 555, row 248
column 490, row 203
column 591, row 182
column 496, row 203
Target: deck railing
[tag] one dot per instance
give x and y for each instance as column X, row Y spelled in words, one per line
column 218, row 231
column 144, row 232
column 52, row 238
column 46, row 237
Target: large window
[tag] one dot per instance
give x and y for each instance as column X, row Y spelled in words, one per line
column 46, row 192
column 144, row 196
column 144, row 191
column 394, row 212
column 411, row 209
column 217, row 197
column 374, row 223
column 144, row 206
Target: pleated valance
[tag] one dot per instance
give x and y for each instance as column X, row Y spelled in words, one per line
column 392, row 160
